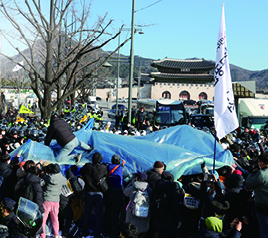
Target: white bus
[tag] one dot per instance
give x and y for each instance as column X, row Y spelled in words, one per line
column 164, row 112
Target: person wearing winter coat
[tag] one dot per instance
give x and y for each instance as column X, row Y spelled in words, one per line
column 32, row 177
column 258, row 181
column 114, row 196
column 92, row 173
column 9, row 175
column 155, row 174
column 54, row 181
column 165, row 207
column 212, row 227
column 139, row 184
column 61, row 131
column 66, row 213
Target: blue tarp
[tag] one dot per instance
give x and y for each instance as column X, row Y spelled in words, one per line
column 181, row 148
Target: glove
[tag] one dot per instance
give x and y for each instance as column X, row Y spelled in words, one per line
column 204, row 168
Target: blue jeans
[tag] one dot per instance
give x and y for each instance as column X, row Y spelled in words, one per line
column 263, row 224
column 68, row 148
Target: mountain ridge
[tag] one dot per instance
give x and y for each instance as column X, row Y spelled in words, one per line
column 142, row 64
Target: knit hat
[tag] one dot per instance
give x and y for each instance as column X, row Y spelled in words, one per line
column 235, row 181
column 116, row 159
column 167, row 176
column 158, row 164
column 214, row 224
column 54, row 168
column 9, row 203
column 237, row 172
column 142, row 176
column 45, row 164
column 96, row 158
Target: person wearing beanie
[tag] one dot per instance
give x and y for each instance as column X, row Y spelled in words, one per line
column 258, row 181
column 138, row 184
column 7, row 206
column 114, row 195
column 213, row 227
column 165, row 206
column 92, row 173
column 155, row 173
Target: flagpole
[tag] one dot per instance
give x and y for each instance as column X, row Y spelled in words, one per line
column 214, row 159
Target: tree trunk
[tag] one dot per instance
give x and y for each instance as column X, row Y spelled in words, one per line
column 59, row 89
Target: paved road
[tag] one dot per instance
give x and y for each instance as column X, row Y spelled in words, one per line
column 106, row 107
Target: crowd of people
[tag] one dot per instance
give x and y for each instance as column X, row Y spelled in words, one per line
column 103, row 201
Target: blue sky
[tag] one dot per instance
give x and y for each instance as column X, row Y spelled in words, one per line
column 185, row 29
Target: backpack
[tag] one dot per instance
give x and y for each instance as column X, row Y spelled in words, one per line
column 159, row 202
column 2, row 177
column 141, row 204
column 27, row 191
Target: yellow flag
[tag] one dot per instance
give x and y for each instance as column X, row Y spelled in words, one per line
column 83, row 119
column 24, row 109
column 19, row 119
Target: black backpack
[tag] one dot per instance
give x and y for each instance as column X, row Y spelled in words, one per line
column 27, row 191
column 160, row 200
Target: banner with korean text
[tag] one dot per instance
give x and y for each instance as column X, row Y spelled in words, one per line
column 225, row 117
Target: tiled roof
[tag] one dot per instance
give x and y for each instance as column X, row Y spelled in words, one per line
column 185, row 64
column 181, row 76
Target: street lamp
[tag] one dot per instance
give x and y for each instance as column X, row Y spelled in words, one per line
column 118, row 70
column 118, row 62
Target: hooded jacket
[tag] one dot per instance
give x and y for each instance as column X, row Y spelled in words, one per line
column 153, row 176
column 38, row 196
column 60, row 131
column 130, row 191
column 53, row 186
column 92, row 172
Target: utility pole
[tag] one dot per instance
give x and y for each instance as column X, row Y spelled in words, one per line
column 131, row 68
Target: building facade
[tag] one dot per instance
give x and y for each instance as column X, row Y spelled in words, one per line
column 183, row 79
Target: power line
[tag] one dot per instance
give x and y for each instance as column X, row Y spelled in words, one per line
column 149, row 5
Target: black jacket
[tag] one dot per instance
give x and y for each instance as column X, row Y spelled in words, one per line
column 76, row 187
column 59, row 130
column 10, row 179
column 172, row 218
column 38, row 196
column 92, row 173
column 141, row 116
column 152, row 177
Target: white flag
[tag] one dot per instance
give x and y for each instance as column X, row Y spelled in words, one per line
column 224, row 107
column 17, row 67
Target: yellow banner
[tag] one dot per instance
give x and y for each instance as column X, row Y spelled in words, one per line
column 24, row 109
column 84, row 118
column 19, row 119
